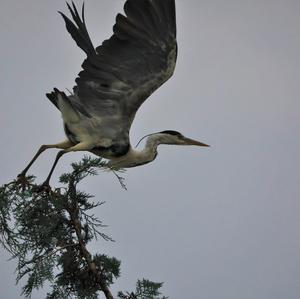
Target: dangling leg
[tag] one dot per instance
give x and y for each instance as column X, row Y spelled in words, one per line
column 83, row 146
column 62, row 145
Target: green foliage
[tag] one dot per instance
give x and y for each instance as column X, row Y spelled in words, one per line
column 145, row 289
column 47, row 233
column 109, row 267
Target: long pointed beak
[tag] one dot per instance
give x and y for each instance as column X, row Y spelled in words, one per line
column 190, row 141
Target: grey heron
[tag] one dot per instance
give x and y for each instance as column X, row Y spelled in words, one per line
column 117, row 77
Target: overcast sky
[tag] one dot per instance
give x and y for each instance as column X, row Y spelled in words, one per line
column 216, row 223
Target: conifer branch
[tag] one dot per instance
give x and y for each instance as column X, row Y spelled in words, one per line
column 45, row 230
column 75, row 220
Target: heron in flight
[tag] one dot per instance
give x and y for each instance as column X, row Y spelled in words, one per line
column 117, row 77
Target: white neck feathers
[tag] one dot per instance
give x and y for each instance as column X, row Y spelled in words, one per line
column 134, row 157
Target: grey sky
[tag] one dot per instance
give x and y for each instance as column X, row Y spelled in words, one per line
column 217, row 223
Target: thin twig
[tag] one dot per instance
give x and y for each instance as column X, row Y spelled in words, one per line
column 120, row 179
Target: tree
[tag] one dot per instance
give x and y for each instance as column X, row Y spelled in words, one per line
column 49, row 229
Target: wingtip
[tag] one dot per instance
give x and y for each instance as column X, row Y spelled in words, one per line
column 69, row 6
column 73, row 4
column 82, row 12
column 75, row 10
column 63, row 15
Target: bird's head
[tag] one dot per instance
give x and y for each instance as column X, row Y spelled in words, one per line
column 172, row 137
column 148, row 154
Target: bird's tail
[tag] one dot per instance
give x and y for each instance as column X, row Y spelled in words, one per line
column 78, row 30
column 63, row 103
column 58, row 98
column 53, row 97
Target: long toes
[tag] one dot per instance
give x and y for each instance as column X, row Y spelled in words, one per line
column 22, row 180
column 21, row 176
column 45, row 187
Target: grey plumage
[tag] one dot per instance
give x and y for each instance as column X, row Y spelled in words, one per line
column 79, row 31
column 119, row 75
column 116, row 79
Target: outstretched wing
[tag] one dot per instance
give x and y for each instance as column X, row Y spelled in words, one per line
column 140, row 56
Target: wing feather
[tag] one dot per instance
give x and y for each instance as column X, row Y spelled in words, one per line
column 128, row 67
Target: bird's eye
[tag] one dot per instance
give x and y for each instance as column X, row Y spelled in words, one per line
column 171, row 132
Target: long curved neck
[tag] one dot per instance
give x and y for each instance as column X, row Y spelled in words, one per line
column 153, row 141
column 135, row 158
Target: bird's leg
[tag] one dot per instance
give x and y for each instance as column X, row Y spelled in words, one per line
column 83, row 146
column 46, row 186
column 62, row 145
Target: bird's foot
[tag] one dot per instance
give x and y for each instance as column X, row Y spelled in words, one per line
column 23, row 181
column 43, row 188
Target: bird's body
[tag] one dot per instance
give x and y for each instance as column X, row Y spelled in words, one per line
column 116, row 79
